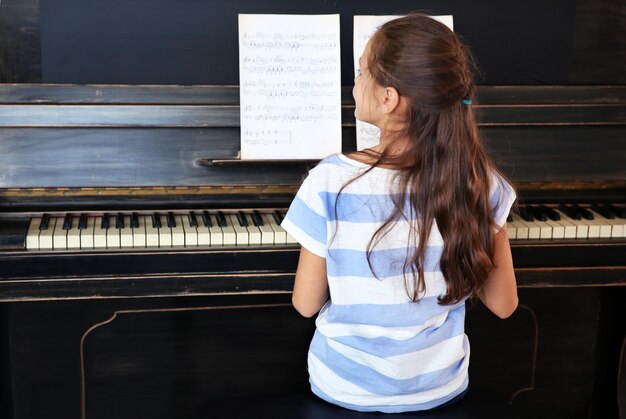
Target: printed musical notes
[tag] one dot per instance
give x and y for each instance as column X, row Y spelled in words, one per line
column 290, row 86
column 368, row 135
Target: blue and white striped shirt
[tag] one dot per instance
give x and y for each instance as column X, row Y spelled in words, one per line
column 374, row 349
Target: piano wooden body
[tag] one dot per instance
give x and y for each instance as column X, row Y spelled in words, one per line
column 162, row 330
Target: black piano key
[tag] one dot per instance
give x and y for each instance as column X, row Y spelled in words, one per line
column 134, row 220
column 82, row 221
column 105, row 224
column 206, row 219
column 570, row 211
column 550, row 213
column 619, row 212
column 193, row 221
column 278, row 217
column 526, row 213
column 257, row 219
column 509, row 218
column 13, row 233
column 67, row 222
column 243, row 220
column 604, row 211
column 171, row 221
column 221, row 219
column 119, row 221
column 537, row 213
column 585, row 213
column 156, row 220
column 45, row 221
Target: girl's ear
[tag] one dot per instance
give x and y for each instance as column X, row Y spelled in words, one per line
column 391, row 100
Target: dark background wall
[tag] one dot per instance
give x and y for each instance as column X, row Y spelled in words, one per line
column 195, row 41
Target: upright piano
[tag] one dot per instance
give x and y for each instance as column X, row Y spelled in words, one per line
column 144, row 273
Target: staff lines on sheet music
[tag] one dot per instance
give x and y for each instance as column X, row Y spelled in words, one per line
column 289, row 69
column 290, row 45
column 297, row 84
column 287, row 114
column 290, row 93
column 267, row 137
column 293, row 36
column 279, row 59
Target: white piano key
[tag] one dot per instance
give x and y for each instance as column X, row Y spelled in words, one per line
column 32, row 237
column 113, row 234
column 280, row 235
column 165, row 233
column 178, row 232
column 613, row 228
column 59, row 237
column 139, row 232
column 254, row 232
column 73, row 235
column 222, row 236
column 521, row 231
column 569, row 229
column 126, row 233
column 267, row 233
column 240, row 232
column 191, row 233
column 545, row 230
column 550, row 229
column 290, row 239
column 152, row 233
column 45, row 236
column 582, row 229
column 534, row 229
column 87, row 234
column 511, row 230
column 99, row 234
column 229, row 235
column 204, row 235
column 594, row 228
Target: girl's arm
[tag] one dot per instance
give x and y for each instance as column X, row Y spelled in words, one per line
column 310, row 291
column 499, row 292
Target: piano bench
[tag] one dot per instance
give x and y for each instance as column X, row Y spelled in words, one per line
column 475, row 405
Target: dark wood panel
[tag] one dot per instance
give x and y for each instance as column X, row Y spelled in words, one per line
column 127, row 157
column 559, row 153
column 228, row 116
column 20, row 46
column 181, row 356
column 599, row 42
column 77, row 94
column 119, row 116
column 100, row 157
column 229, row 95
column 29, row 276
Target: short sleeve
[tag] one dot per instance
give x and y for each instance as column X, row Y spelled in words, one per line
column 502, row 198
column 306, row 217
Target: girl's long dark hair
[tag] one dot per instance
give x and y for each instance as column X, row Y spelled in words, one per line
column 445, row 174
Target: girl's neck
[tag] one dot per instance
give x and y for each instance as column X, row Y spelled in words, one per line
column 393, row 149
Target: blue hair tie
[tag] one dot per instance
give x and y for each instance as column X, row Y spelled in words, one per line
column 466, row 101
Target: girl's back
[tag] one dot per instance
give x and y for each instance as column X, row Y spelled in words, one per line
column 374, row 348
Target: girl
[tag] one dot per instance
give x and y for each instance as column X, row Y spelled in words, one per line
column 400, row 235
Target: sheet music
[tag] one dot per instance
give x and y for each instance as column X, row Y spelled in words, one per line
column 290, row 86
column 367, row 135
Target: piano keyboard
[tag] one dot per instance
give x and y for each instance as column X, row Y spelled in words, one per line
column 156, row 230
column 262, row 228
column 567, row 222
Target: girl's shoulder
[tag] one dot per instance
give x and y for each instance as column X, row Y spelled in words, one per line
column 333, row 166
